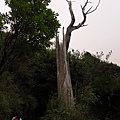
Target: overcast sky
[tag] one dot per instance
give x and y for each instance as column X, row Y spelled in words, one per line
column 102, row 32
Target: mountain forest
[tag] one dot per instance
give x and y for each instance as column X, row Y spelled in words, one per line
column 28, row 70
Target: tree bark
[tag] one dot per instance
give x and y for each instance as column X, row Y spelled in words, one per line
column 65, row 92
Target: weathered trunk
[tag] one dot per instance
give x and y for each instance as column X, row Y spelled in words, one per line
column 65, row 92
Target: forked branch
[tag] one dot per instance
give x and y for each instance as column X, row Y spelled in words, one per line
column 85, row 12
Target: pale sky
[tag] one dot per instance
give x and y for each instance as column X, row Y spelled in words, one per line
column 102, row 32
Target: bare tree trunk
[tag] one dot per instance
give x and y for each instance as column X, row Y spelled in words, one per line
column 65, row 91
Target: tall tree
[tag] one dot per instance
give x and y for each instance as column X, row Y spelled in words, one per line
column 65, row 92
column 25, row 29
column 29, row 22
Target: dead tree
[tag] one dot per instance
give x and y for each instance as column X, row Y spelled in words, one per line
column 65, row 91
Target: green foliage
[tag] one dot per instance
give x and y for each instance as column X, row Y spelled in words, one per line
column 29, row 80
column 33, row 21
column 86, row 95
column 9, row 96
column 108, row 89
column 35, row 76
column 79, row 112
column 32, row 25
column 28, row 70
column 27, row 27
column 103, row 79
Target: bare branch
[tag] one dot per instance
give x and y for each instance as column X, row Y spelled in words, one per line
column 85, row 14
column 71, row 27
column 84, row 19
column 88, row 12
column 85, row 5
column 71, row 13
